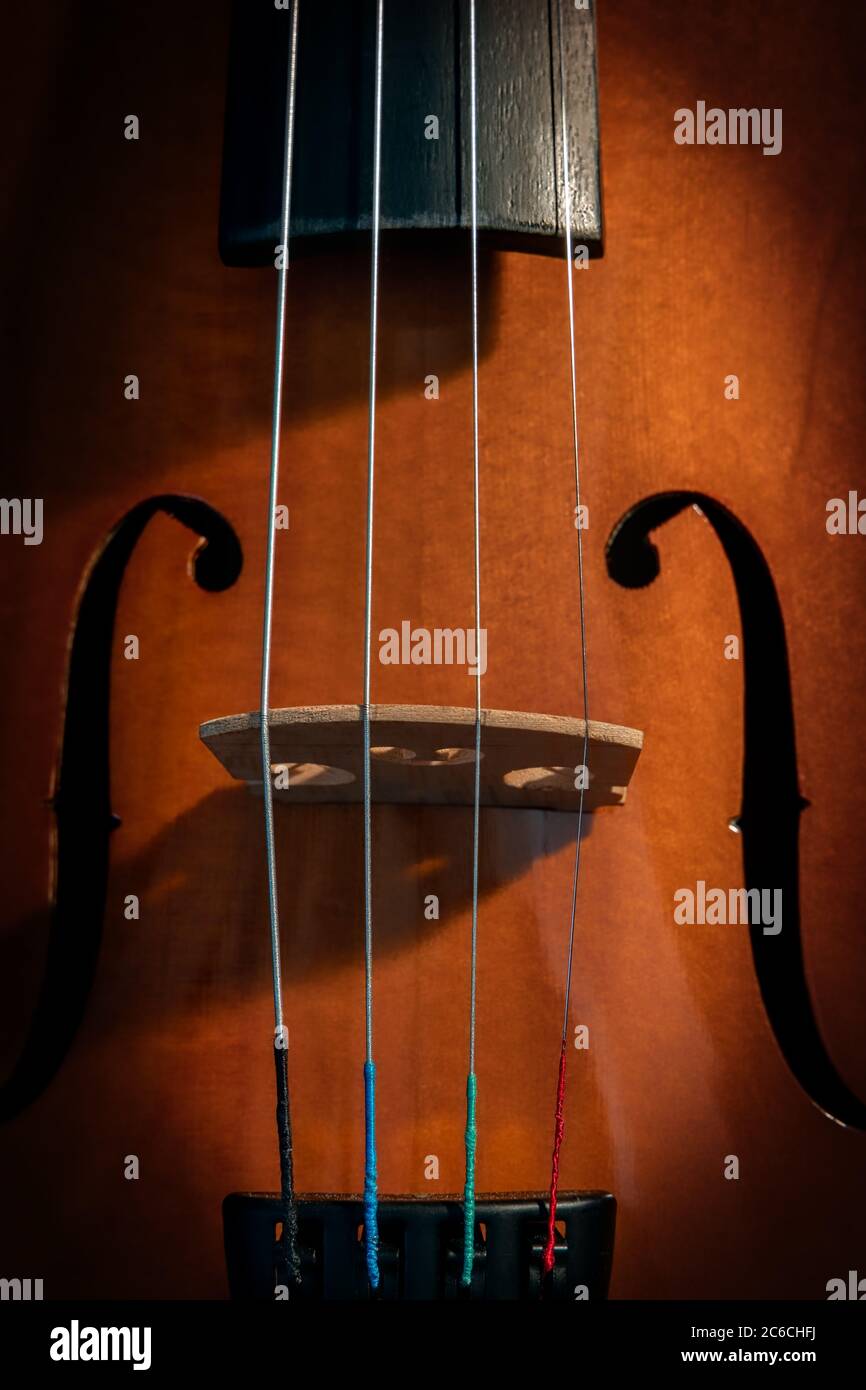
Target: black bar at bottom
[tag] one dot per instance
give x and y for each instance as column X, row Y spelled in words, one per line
column 421, row 1248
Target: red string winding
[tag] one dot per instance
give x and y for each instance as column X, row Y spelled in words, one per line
column 548, row 1257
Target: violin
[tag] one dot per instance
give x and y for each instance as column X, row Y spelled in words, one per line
column 433, row 634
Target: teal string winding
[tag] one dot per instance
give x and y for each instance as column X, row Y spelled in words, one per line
column 469, row 1188
column 371, row 1200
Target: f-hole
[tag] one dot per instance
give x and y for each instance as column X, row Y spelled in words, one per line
column 771, row 800
column 82, row 798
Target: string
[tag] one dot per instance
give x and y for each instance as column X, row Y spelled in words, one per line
column 548, row 1256
column 371, row 1214
column 289, row 1259
column 470, row 1137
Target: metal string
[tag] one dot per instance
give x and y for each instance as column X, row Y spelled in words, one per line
column 548, row 1256
column 289, row 1237
column 371, row 1230
column 471, row 1084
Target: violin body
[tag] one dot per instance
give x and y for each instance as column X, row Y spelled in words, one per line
column 718, row 261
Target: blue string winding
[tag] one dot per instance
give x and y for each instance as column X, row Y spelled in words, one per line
column 371, row 1201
